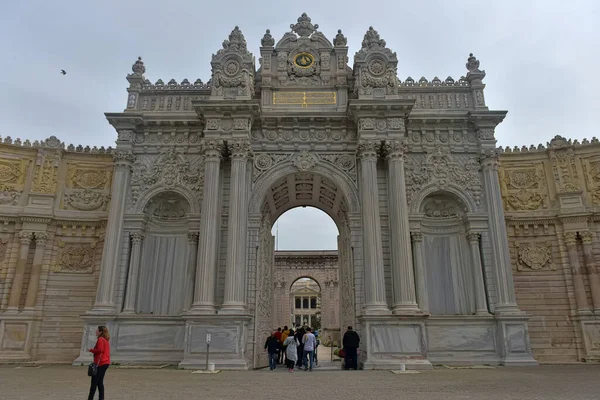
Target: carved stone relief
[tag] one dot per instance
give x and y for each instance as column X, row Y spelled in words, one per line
column 75, row 257
column 442, row 169
column 12, row 177
column 86, row 200
column 167, row 171
column 534, row 256
column 46, row 172
column 564, row 169
column 592, row 173
column 3, row 248
column 288, row 135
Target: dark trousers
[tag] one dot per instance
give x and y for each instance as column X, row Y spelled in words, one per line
column 300, row 355
column 289, row 363
column 351, row 358
column 98, row 382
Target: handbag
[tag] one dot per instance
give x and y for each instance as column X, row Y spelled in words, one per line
column 92, row 369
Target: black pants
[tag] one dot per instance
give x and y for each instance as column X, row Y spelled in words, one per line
column 98, row 382
column 351, row 358
column 289, row 363
column 282, row 353
column 300, row 355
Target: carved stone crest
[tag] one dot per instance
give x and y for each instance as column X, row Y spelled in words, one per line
column 75, row 258
column 534, row 256
column 304, row 161
column 86, row 200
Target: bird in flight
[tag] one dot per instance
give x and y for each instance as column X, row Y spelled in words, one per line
column 63, row 72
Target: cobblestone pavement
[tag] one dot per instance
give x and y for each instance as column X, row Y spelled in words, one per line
column 544, row 382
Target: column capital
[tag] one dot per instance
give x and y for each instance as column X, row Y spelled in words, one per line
column 25, row 237
column 489, row 159
column 123, row 158
column 193, row 237
column 395, row 149
column 473, row 237
column 587, row 237
column 368, row 150
column 41, row 238
column 416, row 237
column 570, row 238
column 239, row 149
column 137, row 237
column 212, row 149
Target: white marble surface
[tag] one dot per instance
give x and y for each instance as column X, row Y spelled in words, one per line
column 461, row 338
column 515, row 336
column 150, row 337
column 396, row 340
column 14, row 337
column 223, row 339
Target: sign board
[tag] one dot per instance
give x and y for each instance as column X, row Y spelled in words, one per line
column 208, row 337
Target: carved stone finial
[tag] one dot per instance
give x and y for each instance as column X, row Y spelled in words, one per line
column 304, row 26
column 372, row 40
column 236, row 43
column 340, row 40
column 138, row 67
column 473, row 64
column 267, row 40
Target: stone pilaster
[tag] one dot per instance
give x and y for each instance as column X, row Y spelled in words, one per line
column 206, row 265
column 191, row 272
column 402, row 269
column 18, row 278
column 105, row 296
column 587, row 238
column 137, row 238
column 235, row 270
column 478, row 283
column 36, row 269
column 507, row 301
column 578, row 285
column 422, row 297
column 375, row 301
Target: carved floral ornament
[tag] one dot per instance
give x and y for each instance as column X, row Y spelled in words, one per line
column 86, row 200
column 534, row 256
column 3, row 248
column 46, row 172
column 75, row 257
column 304, row 161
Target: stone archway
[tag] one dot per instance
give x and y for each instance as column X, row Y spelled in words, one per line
column 327, row 192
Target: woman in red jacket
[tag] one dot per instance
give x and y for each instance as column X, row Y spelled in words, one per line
column 102, row 359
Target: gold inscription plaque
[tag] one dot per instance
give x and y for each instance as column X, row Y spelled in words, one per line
column 304, row 99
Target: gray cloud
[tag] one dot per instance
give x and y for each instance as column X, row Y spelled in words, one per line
column 540, row 56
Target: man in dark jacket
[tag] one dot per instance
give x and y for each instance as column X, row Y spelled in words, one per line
column 272, row 348
column 351, row 342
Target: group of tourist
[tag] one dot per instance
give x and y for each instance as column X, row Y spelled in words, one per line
column 296, row 348
column 299, row 348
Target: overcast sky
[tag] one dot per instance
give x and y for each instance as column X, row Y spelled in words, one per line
column 541, row 57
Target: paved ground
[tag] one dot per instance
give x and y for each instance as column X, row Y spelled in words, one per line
column 545, row 382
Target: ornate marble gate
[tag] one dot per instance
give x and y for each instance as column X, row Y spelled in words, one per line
column 406, row 169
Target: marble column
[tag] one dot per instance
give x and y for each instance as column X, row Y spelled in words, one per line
column 400, row 246
column 587, row 238
column 235, row 268
column 17, row 283
column 105, row 295
column 505, row 287
column 206, row 264
column 374, row 280
column 135, row 260
column 36, row 270
column 478, row 282
column 422, row 297
column 578, row 285
column 191, row 272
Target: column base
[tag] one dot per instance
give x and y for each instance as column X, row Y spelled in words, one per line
column 202, row 309
column 376, row 309
column 513, row 339
column 233, row 309
column 103, row 309
column 406, row 309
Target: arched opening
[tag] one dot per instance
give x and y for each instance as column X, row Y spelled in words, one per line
column 305, row 251
column 159, row 262
column 453, row 276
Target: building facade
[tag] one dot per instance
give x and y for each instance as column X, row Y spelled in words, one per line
column 449, row 251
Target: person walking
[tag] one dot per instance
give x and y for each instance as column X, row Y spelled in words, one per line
column 272, row 348
column 101, row 353
column 291, row 347
column 310, row 344
column 351, row 341
column 299, row 335
column 284, row 336
column 279, row 342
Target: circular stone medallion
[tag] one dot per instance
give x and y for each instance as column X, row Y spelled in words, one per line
column 304, row 60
